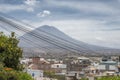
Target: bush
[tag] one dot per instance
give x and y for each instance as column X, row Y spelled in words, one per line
column 1, row 66
column 14, row 75
column 25, row 76
column 51, row 74
column 84, row 79
column 12, row 78
column 59, row 77
column 109, row 78
column 2, row 77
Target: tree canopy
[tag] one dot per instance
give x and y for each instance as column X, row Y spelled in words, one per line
column 10, row 53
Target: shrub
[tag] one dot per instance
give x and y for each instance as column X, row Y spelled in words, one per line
column 14, row 75
column 84, row 79
column 24, row 76
column 1, row 66
column 2, row 77
column 109, row 78
column 51, row 74
column 12, row 78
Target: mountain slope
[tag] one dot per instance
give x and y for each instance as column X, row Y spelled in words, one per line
column 49, row 39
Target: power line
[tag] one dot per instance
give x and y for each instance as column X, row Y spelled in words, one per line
column 34, row 34
column 64, row 40
column 42, row 37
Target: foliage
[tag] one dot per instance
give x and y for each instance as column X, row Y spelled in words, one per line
column 14, row 75
column 51, row 74
column 25, row 76
column 59, row 77
column 84, row 79
column 10, row 53
column 109, row 78
column 1, row 66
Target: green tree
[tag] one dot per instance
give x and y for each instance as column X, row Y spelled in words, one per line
column 10, row 53
column 109, row 78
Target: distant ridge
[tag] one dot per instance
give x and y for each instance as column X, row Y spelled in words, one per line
column 61, row 39
column 48, row 40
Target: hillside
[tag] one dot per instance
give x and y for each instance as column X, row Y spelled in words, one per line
column 51, row 40
column 48, row 40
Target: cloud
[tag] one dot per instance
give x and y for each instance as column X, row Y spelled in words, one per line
column 25, row 21
column 10, row 8
column 44, row 13
column 100, row 38
column 30, row 2
column 30, row 9
column 28, row 6
column 87, row 6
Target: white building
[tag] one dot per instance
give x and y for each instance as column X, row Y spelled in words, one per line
column 108, row 66
column 25, row 61
column 62, row 66
column 59, row 68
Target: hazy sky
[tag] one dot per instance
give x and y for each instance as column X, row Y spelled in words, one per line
column 92, row 21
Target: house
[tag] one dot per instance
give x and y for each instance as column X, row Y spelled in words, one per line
column 25, row 61
column 77, row 63
column 33, row 66
column 118, row 72
column 54, row 61
column 118, row 64
column 59, row 69
column 40, row 64
column 72, row 75
column 108, row 67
